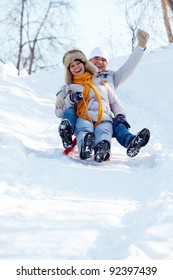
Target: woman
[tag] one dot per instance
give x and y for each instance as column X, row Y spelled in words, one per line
column 96, row 105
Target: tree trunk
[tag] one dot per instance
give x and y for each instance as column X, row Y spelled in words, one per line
column 31, row 59
column 170, row 4
column 166, row 21
column 21, row 38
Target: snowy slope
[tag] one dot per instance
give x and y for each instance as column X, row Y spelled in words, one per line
column 54, row 207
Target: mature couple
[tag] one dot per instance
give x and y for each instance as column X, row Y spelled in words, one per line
column 89, row 107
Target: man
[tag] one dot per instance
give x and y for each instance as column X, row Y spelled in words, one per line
column 99, row 58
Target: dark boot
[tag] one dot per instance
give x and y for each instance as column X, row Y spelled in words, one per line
column 102, row 151
column 66, row 132
column 139, row 141
column 87, row 146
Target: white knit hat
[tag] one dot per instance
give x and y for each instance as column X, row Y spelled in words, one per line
column 99, row 52
column 73, row 55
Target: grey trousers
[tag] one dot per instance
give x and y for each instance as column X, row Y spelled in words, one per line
column 103, row 131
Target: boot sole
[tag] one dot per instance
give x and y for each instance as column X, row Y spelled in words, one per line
column 65, row 131
column 103, row 152
column 138, row 142
column 87, row 146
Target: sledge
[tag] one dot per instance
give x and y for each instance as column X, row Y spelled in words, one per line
column 73, row 154
column 67, row 151
column 139, row 141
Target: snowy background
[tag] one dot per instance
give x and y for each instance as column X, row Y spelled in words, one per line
column 56, row 207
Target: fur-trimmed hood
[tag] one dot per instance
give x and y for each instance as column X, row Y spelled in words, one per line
column 73, row 55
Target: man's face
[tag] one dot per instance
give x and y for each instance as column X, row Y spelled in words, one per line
column 100, row 62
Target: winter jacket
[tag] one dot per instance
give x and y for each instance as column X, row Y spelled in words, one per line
column 116, row 78
column 111, row 104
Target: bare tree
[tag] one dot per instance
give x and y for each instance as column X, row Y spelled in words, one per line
column 170, row 4
column 21, row 35
column 40, row 33
column 134, row 13
column 166, row 19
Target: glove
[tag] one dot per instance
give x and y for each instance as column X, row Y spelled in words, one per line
column 75, row 97
column 60, row 100
column 142, row 37
column 121, row 119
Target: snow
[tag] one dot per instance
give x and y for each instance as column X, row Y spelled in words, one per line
column 56, row 207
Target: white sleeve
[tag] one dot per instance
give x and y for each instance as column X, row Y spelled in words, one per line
column 125, row 71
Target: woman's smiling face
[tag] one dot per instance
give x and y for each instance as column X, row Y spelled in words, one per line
column 77, row 68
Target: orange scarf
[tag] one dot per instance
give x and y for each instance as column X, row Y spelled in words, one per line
column 82, row 109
